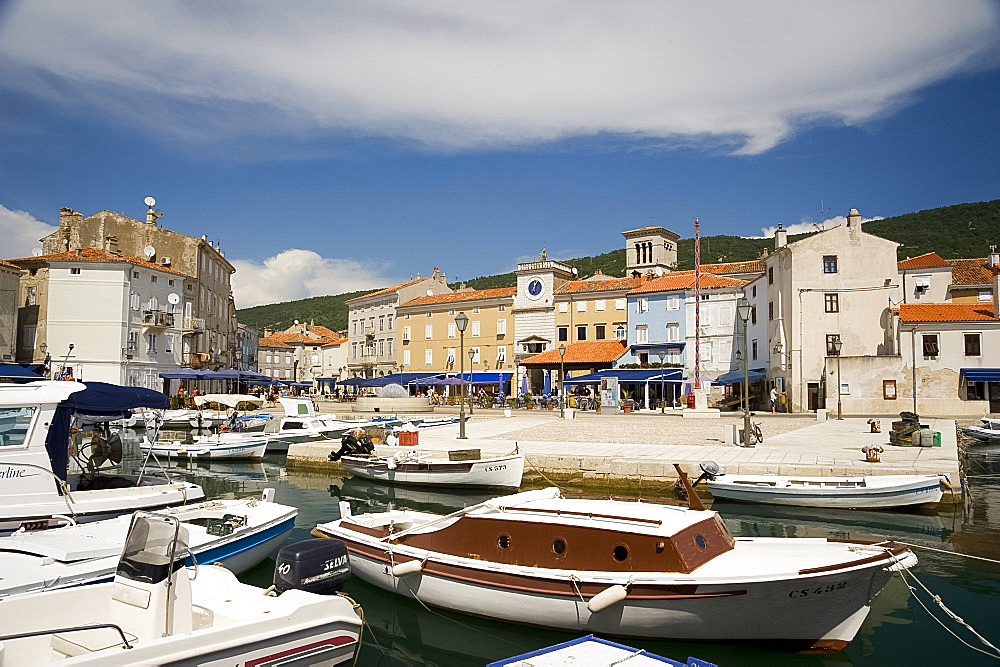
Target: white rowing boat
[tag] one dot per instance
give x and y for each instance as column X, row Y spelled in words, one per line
column 219, row 446
column 851, row 492
column 459, row 469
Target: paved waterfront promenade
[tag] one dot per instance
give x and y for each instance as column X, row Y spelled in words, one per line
column 644, row 446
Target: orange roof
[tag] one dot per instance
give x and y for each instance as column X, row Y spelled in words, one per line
column 584, row 352
column 946, row 312
column 752, row 266
column 455, row 297
column 928, row 260
column 387, row 289
column 270, row 341
column 970, row 271
column 683, row 280
column 9, row 265
column 591, row 285
column 96, row 255
column 323, row 331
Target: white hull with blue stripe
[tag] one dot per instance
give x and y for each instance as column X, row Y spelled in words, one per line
column 866, row 492
column 237, row 446
column 88, row 553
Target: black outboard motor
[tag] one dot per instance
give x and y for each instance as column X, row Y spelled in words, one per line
column 319, row 565
column 353, row 446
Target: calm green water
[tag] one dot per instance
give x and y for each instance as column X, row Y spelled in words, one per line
column 897, row 632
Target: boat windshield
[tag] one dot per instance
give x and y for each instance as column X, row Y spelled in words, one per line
column 14, row 423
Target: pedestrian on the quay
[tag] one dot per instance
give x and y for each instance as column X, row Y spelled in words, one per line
column 774, row 399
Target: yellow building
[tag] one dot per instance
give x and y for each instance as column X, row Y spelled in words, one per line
column 429, row 339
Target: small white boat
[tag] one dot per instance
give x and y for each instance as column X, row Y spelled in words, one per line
column 988, row 431
column 37, row 487
column 460, row 469
column 621, row 568
column 233, row 422
column 593, row 652
column 302, row 424
column 851, row 492
column 236, row 533
column 219, row 446
column 156, row 611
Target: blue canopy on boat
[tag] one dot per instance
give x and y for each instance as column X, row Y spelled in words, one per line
column 98, row 399
column 19, row 372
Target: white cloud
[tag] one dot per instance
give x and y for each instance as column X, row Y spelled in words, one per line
column 298, row 274
column 458, row 75
column 21, row 233
column 809, row 226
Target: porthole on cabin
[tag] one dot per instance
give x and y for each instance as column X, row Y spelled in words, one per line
column 558, row 546
column 620, row 552
column 503, row 541
column 700, row 541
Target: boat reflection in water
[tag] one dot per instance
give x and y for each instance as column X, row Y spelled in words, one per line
column 372, row 496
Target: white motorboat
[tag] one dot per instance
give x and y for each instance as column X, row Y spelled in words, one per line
column 218, row 446
column 849, row 492
column 38, row 490
column 156, row 611
column 235, row 533
column 987, row 431
column 621, row 568
column 234, row 422
column 459, row 469
column 594, row 652
column 302, row 424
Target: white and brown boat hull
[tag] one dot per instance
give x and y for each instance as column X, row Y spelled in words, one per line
column 501, row 472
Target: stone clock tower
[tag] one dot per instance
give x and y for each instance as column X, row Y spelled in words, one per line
column 534, row 305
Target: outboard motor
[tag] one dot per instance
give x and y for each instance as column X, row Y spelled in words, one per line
column 352, row 445
column 709, row 470
column 319, row 565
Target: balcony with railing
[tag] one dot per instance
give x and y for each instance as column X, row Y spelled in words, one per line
column 157, row 319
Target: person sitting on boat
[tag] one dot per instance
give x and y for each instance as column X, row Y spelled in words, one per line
column 354, row 443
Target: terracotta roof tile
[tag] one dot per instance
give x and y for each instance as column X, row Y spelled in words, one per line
column 926, row 261
column 457, row 297
column 270, row 341
column 584, row 352
column 96, row 255
column 9, row 265
column 387, row 289
column 970, row 271
column 946, row 312
column 682, row 280
column 591, row 285
column 753, row 266
column 323, row 331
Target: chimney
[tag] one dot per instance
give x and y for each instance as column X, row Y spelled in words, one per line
column 436, row 273
column 79, row 253
column 996, row 293
column 854, row 224
column 780, row 237
column 994, row 257
column 150, row 217
column 267, row 332
column 112, row 245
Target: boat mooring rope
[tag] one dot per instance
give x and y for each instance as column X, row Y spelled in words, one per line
column 950, row 553
column 528, row 461
column 995, row 654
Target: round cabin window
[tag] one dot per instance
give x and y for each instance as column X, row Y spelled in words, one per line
column 700, row 541
column 620, row 552
column 503, row 541
column 558, row 547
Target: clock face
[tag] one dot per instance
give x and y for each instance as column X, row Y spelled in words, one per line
column 535, row 288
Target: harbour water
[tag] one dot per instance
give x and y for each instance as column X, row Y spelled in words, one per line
column 898, row 630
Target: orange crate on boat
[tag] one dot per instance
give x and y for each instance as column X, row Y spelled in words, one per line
column 408, row 438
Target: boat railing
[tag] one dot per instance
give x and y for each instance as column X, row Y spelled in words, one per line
column 75, row 628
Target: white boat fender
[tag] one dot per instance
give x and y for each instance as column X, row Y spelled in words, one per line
column 606, row 598
column 268, row 496
column 409, row 567
column 390, row 463
column 345, row 509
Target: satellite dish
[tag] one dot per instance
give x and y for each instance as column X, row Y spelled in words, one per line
column 158, row 212
column 296, row 321
column 430, row 292
column 575, row 272
column 37, row 252
column 659, row 270
column 150, row 202
column 173, row 299
column 149, row 251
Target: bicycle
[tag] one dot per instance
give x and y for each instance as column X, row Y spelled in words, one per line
column 756, row 435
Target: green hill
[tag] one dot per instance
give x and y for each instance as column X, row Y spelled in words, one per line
column 963, row 230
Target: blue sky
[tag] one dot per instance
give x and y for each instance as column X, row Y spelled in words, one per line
column 333, row 146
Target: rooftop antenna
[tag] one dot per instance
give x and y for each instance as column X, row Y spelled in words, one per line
column 822, row 213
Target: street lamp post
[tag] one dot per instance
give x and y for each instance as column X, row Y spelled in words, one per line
column 461, row 321
column 781, row 366
column 562, row 381
column 838, row 345
column 48, row 359
column 66, row 360
column 661, row 354
column 517, row 380
column 743, row 311
column 472, row 357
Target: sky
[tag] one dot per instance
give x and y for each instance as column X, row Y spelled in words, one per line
column 339, row 146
